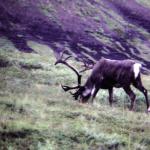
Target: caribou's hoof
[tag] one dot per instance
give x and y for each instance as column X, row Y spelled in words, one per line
column 148, row 110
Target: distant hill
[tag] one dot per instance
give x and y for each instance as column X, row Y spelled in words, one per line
column 88, row 29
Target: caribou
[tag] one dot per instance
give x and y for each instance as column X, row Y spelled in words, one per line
column 107, row 74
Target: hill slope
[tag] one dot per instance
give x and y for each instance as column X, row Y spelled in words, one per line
column 37, row 114
column 89, row 29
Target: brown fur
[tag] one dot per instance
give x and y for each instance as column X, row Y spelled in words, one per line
column 107, row 74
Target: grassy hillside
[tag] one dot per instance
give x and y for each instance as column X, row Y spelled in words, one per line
column 36, row 114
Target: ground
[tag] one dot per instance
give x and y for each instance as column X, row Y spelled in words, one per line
column 37, row 114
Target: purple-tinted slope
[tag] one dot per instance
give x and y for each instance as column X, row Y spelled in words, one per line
column 133, row 12
column 20, row 25
column 90, row 28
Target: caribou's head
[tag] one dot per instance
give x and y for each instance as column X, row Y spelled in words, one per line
column 82, row 93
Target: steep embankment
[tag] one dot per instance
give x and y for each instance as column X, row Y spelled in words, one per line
column 88, row 29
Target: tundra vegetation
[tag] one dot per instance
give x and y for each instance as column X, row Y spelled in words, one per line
column 36, row 114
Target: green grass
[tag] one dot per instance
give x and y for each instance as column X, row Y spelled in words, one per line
column 36, row 114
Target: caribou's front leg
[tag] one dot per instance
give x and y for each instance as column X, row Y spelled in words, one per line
column 140, row 87
column 93, row 93
column 110, row 96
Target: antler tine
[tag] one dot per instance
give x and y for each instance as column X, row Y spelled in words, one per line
column 77, row 93
column 62, row 53
column 67, row 88
column 59, row 57
column 83, row 70
column 67, row 58
column 86, row 67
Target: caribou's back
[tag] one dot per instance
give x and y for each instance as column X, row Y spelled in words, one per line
column 111, row 73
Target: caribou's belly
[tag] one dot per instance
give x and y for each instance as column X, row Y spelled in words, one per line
column 106, row 84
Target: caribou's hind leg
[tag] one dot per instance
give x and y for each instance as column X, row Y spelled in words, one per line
column 131, row 95
column 138, row 84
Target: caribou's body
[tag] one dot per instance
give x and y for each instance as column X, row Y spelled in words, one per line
column 107, row 74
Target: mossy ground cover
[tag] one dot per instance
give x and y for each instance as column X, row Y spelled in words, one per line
column 36, row 114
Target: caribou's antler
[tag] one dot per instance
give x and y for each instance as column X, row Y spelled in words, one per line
column 67, row 88
column 64, row 61
column 87, row 66
column 79, row 88
column 77, row 93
